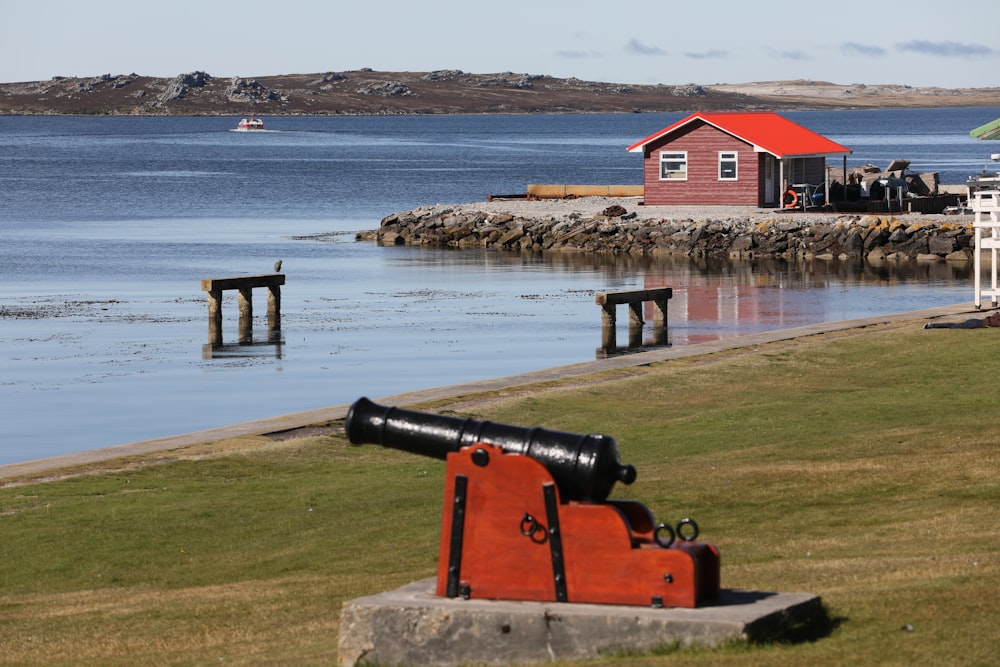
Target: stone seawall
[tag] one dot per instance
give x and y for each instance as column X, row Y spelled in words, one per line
column 623, row 226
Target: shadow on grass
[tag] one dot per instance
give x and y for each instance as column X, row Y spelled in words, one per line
column 807, row 623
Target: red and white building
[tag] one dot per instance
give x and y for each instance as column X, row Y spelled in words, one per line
column 733, row 158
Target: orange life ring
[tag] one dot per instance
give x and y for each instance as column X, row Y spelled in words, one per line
column 790, row 198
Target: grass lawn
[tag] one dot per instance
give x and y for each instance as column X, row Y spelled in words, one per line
column 863, row 466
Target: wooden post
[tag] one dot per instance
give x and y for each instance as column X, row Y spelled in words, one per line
column 634, row 337
column 245, row 286
column 635, row 314
column 660, row 313
column 215, row 317
column 609, row 338
column 607, row 315
column 660, row 321
column 274, row 307
column 635, row 300
column 660, row 336
column 245, row 300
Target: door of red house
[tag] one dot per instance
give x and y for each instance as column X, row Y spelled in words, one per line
column 770, row 191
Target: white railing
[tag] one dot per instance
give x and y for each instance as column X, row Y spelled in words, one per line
column 986, row 206
column 985, row 201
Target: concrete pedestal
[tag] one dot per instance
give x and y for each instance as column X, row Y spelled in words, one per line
column 412, row 626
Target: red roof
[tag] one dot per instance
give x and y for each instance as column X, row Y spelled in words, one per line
column 767, row 132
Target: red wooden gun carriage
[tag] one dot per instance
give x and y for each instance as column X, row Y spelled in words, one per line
column 527, row 516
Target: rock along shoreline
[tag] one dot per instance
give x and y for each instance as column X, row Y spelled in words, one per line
column 625, row 226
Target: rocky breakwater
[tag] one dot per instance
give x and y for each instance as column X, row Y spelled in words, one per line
column 622, row 226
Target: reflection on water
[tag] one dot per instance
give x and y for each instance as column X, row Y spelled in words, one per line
column 714, row 298
column 769, row 272
column 640, row 339
column 268, row 345
column 720, row 297
column 717, row 297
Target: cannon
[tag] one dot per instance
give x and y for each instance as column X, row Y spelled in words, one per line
column 584, row 467
column 527, row 515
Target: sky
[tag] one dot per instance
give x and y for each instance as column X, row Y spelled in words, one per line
column 916, row 43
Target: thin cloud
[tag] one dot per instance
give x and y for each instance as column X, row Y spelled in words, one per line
column 946, row 49
column 867, row 50
column 706, row 55
column 790, row 55
column 579, row 55
column 638, row 48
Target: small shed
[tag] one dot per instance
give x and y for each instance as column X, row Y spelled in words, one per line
column 733, row 158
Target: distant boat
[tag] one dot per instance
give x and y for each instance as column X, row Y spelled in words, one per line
column 250, row 125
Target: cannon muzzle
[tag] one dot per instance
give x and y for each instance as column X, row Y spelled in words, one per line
column 584, row 467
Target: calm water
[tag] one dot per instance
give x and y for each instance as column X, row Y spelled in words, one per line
column 107, row 226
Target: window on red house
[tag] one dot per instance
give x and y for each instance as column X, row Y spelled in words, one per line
column 673, row 166
column 727, row 166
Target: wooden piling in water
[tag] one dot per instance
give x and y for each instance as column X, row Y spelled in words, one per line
column 634, row 299
column 245, row 285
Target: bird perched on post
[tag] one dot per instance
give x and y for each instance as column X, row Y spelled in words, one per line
column 277, row 266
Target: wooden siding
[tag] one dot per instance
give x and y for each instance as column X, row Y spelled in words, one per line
column 703, row 142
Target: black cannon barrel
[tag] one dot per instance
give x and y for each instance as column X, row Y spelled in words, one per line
column 584, row 467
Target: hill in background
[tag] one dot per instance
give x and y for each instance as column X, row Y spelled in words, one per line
column 367, row 92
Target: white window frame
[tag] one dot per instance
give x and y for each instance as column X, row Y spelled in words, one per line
column 679, row 157
column 729, row 156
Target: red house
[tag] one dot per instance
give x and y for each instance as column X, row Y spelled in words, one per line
column 737, row 158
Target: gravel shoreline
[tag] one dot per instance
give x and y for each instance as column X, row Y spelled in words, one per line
column 589, row 207
column 625, row 225
column 593, row 206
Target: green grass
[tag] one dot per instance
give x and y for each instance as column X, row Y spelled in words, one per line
column 864, row 468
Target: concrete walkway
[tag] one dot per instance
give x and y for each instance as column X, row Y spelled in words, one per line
column 303, row 419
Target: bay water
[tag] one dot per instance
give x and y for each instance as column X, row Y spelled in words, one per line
column 108, row 224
